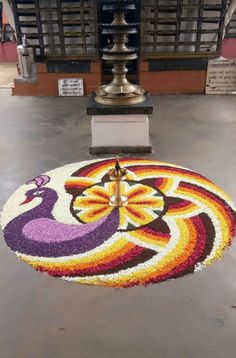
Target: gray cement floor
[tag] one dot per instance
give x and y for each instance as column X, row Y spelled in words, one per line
column 43, row 317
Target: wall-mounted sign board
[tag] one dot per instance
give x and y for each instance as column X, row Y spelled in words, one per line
column 221, row 77
column 70, row 87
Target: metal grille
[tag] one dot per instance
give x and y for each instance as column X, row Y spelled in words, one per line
column 57, row 27
column 168, row 27
column 181, row 26
column 231, row 28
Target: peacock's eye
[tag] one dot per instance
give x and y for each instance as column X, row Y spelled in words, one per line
column 38, row 192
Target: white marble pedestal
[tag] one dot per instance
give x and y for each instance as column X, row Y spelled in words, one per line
column 120, row 134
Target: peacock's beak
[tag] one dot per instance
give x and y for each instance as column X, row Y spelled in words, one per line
column 27, row 200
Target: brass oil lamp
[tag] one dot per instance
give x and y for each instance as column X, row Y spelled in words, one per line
column 117, row 174
column 120, row 91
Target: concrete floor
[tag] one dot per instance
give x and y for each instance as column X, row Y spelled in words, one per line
column 43, row 317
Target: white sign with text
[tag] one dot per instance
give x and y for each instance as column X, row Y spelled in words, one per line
column 221, row 77
column 70, row 87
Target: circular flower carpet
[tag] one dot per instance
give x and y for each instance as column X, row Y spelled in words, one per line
column 176, row 222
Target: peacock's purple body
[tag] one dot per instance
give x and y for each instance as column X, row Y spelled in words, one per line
column 37, row 233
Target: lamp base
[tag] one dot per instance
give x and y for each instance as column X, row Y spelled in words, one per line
column 120, row 95
column 118, row 203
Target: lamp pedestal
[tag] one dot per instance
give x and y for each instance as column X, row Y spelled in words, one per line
column 121, row 129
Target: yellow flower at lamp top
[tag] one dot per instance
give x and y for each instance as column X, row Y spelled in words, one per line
column 145, row 204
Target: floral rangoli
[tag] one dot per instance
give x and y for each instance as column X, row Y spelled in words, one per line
column 176, row 222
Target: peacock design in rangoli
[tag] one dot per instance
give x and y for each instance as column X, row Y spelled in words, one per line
column 176, row 222
column 39, row 234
